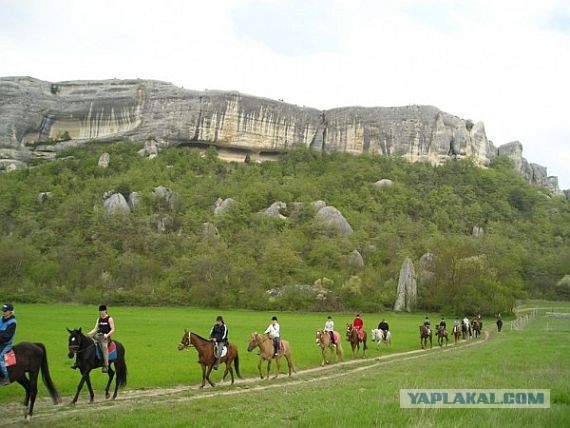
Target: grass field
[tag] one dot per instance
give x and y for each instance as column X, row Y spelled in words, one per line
column 536, row 357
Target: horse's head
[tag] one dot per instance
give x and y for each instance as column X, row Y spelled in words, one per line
column 74, row 341
column 254, row 340
column 185, row 341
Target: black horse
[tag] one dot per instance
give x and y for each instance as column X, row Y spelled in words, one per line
column 31, row 358
column 87, row 360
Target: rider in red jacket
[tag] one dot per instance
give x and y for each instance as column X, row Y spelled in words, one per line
column 358, row 325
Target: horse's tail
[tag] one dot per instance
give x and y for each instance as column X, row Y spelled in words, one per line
column 121, row 366
column 236, row 365
column 46, row 376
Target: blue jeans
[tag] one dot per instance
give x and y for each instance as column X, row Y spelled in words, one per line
column 3, row 367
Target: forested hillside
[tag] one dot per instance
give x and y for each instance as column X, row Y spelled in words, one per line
column 65, row 246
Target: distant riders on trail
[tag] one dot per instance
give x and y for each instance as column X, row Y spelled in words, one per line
column 427, row 324
column 219, row 335
column 273, row 331
column 499, row 323
column 7, row 333
column 104, row 328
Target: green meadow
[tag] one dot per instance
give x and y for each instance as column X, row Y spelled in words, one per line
column 535, row 357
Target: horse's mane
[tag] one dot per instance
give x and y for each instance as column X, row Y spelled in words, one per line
column 199, row 337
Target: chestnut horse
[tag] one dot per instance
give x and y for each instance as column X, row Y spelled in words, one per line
column 441, row 335
column 425, row 334
column 266, row 353
column 323, row 339
column 31, row 358
column 476, row 327
column 207, row 358
column 355, row 340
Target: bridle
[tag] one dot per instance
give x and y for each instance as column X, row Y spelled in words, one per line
column 185, row 342
column 76, row 349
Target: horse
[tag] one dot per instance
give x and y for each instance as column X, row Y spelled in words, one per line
column 266, row 353
column 379, row 337
column 86, row 351
column 31, row 358
column 323, row 340
column 442, row 334
column 465, row 330
column 207, row 356
column 354, row 338
column 425, row 334
column 456, row 333
column 476, row 327
column 499, row 325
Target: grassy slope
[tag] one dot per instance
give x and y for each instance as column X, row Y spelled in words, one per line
column 532, row 358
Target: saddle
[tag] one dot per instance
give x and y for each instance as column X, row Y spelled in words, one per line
column 112, row 348
column 10, row 358
column 224, row 350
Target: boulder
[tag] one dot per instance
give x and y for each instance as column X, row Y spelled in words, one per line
column 407, row 292
column 165, row 224
column 222, row 205
column 355, row 259
column 317, row 205
column 210, row 231
column 150, row 149
column 43, row 196
column 116, row 204
column 385, row 182
column 134, row 200
column 478, row 232
column 274, row 211
column 104, row 160
column 333, row 219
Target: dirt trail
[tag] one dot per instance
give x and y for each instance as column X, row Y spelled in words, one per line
column 44, row 410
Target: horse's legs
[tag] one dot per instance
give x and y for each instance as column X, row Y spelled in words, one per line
column 33, row 392
column 90, row 388
column 210, row 367
column 80, row 386
column 259, row 368
column 268, row 367
column 111, row 374
column 277, row 368
column 203, row 376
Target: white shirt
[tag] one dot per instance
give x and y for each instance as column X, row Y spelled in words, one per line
column 465, row 321
column 329, row 325
column 273, row 330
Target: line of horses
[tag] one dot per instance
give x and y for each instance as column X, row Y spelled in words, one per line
column 464, row 330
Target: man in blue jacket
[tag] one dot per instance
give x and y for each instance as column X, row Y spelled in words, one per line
column 7, row 333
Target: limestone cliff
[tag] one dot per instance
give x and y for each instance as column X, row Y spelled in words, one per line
column 39, row 118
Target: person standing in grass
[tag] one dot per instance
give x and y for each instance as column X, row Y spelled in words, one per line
column 104, row 328
column 7, row 334
column 274, row 332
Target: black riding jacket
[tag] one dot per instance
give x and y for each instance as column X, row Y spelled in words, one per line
column 383, row 326
column 220, row 333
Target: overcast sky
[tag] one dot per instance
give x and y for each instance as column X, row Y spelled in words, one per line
column 503, row 62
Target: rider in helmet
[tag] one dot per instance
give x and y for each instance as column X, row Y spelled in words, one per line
column 443, row 324
column 384, row 327
column 7, row 333
column 427, row 324
column 104, row 328
column 219, row 336
column 358, row 325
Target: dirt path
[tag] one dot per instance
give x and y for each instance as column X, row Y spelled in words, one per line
column 159, row 396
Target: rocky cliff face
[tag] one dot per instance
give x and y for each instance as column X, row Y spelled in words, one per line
column 39, row 118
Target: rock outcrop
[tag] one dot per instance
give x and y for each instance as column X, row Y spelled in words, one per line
column 332, row 218
column 407, row 293
column 274, row 211
column 104, row 160
column 116, row 204
column 222, row 205
column 39, row 118
column 532, row 172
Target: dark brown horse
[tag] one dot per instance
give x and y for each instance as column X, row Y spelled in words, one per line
column 354, row 338
column 441, row 335
column 31, row 358
column 456, row 333
column 425, row 334
column 207, row 358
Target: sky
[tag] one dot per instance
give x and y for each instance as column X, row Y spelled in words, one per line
column 503, row 62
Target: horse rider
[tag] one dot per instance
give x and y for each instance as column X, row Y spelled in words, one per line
column 219, row 335
column 274, row 333
column 329, row 328
column 480, row 321
column 104, row 328
column 384, row 327
column 427, row 324
column 7, row 334
column 466, row 322
column 499, row 322
column 443, row 324
column 456, row 324
column 358, row 325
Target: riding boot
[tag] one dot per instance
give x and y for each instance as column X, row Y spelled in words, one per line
column 4, row 381
column 217, row 363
